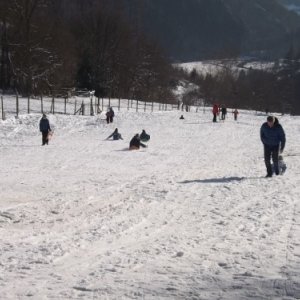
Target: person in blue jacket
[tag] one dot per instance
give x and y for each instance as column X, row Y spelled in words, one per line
column 111, row 114
column 44, row 129
column 116, row 135
column 272, row 136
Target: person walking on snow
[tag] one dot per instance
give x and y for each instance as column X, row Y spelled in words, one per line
column 273, row 138
column 235, row 113
column 44, row 129
column 224, row 112
column 215, row 111
column 107, row 117
column 111, row 114
column 116, row 135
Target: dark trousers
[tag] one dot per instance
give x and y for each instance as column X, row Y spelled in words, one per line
column 215, row 118
column 111, row 118
column 223, row 116
column 271, row 151
column 107, row 120
column 235, row 118
column 44, row 137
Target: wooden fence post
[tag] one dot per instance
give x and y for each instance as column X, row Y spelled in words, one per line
column 128, row 104
column 92, row 107
column 65, row 105
column 17, row 105
column 75, row 107
column 102, row 104
column 145, row 106
column 2, row 109
column 42, row 107
column 137, row 105
column 53, row 105
column 152, row 107
column 119, row 103
column 82, row 108
column 28, row 105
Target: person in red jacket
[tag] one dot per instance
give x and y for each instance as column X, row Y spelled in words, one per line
column 215, row 111
column 235, row 113
column 107, row 117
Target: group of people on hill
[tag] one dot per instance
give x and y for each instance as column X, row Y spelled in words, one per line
column 110, row 115
column 272, row 136
column 136, row 141
column 223, row 110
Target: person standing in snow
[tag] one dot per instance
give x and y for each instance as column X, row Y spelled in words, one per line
column 235, row 113
column 107, row 117
column 135, row 143
column 272, row 136
column 116, row 135
column 111, row 114
column 215, row 111
column 44, row 129
column 224, row 112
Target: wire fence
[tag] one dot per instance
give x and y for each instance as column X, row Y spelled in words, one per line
column 85, row 106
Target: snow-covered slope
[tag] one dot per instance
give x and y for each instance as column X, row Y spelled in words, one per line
column 189, row 217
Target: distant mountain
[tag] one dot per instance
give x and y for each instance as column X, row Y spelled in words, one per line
column 197, row 29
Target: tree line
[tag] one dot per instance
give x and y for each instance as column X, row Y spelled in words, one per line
column 52, row 45
column 276, row 89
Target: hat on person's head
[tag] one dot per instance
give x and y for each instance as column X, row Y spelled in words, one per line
column 271, row 119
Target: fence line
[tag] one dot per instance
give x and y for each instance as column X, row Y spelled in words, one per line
column 15, row 105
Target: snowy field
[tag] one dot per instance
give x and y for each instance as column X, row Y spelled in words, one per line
column 190, row 217
column 213, row 67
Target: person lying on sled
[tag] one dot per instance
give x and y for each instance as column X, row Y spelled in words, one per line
column 144, row 136
column 135, row 143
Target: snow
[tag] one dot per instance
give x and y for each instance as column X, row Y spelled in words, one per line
column 213, row 67
column 189, row 217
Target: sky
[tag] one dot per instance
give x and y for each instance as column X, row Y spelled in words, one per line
column 191, row 216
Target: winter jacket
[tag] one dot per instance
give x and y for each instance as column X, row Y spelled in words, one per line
column 144, row 136
column 136, row 142
column 224, row 110
column 215, row 109
column 116, row 135
column 111, row 112
column 272, row 136
column 45, row 125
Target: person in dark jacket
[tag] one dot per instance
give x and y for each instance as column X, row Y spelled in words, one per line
column 144, row 136
column 44, row 129
column 272, row 136
column 135, row 143
column 182, row 117
column 111, row 114
column 116, row 135
column 224, row 112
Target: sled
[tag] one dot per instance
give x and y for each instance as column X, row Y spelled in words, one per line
column 133, row 148
column 49, row 135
